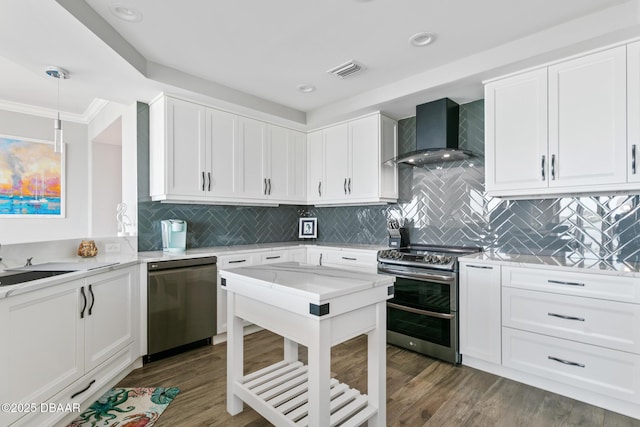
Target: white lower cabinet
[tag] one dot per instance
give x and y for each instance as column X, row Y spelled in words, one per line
column 600, row 370
column 479, row 312
column 361, row 260
column 57, row 339
column 226, row 262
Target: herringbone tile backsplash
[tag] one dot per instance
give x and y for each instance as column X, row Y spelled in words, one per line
column 443, row 204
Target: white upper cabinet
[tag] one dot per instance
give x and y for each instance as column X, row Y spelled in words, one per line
column 563, row 128
column 587, row 120
column 204, row 155
column 516, row 132
column 346, row 162
column 253, row 142
column 633, row 112
column 222, row 152
column 178, row 149
column 316, row 187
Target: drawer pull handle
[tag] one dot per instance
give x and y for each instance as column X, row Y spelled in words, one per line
column 484, row 267
column 273, row 257
column 562, row 316
column 559, row 282
column 566, row 362
column 349, row 258
column 83, row 390
column 237, row 261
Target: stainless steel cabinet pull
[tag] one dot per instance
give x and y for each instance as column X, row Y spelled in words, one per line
column 203, row 181
column 209, row 174
column 553, row 166
column 560, row 282
column 423, row 312
column 349, row 258
column 345, row 186
column 93, row 299
column 484, row 267
column 542, row 168
column 633, row 159
column 566, row 362
column 273, row 257
column 84, row 304
column 562, row 316
column 319, row 188
column 265, row 186
column 349, row 185
column 320, row 261
column 83, row 390
column 237, row 261
column 269, row 181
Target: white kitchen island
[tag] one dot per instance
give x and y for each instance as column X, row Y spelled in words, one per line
column 317, row 307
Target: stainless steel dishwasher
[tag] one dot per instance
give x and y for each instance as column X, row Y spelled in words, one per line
column 181, row 305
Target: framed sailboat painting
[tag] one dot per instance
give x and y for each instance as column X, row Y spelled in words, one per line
column 32, row 180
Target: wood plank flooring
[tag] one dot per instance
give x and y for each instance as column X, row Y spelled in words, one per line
column 420, row 391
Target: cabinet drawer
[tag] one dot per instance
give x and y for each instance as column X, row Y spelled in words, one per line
column 616, row 288
column 609, row 324
column 231, row 261
column 351, row 259
column 272, row 257
column 615, row 374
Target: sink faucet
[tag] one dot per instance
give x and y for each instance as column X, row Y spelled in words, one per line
column 28, row 262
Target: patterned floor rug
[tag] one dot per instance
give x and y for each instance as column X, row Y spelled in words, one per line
column 127, row 407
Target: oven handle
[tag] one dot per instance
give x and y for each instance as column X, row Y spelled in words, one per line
column 423, row 312
column 424, row 277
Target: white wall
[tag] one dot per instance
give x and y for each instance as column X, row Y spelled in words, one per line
column 128, row 116
column 106, row 188
column 75, row 223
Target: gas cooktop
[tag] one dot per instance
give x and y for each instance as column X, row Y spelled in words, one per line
column 426, row 256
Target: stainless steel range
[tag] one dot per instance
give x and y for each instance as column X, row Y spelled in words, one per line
column 423, row 314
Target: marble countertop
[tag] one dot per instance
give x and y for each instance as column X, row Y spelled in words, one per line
column 151, row 256
column 564, row 263
column 315, row 282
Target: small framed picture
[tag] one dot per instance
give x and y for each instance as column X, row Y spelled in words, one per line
column 308, row 228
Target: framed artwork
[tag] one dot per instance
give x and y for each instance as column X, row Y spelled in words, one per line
column 308, row 228
column 32, row 181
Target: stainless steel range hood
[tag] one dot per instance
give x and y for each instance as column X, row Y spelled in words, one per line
column 436, row 135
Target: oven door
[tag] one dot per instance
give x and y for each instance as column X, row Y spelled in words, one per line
column 422, row 315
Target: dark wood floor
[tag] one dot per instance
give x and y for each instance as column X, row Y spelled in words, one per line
column 420, row 391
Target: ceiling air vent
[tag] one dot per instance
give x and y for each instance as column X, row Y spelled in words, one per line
column 346, row 69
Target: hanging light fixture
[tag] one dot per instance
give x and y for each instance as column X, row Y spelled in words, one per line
column 58, row 142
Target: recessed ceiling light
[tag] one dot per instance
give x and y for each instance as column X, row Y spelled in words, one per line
column 306, row 88
column 422, row 39
column 124, row 12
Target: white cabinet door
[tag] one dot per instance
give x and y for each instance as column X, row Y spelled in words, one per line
column 297, row 178
column 253, row 143
column 278, row 162
column 314, row 256
column 587, row 120
column 185, row 148
column 222, row 154
column 336, row 146
column 516, row 155
column 316, row 187
column 633, row 112
column 42, row 345
column 479, row 313
column 109, row 316
column 364, row 158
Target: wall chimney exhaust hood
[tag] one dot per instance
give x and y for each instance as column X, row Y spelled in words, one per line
column 436, row 135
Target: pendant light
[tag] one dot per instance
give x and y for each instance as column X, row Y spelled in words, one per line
column 58, row 142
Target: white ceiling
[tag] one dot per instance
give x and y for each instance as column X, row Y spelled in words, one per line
column 254, row 53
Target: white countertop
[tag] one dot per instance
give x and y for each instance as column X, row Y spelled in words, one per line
column 314, row 282
column 150, row 256
column 587, row 265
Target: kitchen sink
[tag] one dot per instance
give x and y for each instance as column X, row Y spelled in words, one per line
column 12, row 278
